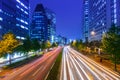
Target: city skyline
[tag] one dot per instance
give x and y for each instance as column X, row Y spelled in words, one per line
column 68, row 15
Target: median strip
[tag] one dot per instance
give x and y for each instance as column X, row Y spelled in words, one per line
column 54, row 72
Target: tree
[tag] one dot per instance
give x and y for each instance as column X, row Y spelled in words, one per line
column 111, row 44
column 2, row 48
column 80, row 45
column 73, row 43
column 8, row 44
column 54, row 44
column 35, row 44
column 26, row 46
column 42, row 45
column 47, row 44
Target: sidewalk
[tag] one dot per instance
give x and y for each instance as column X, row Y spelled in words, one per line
column 4, row 62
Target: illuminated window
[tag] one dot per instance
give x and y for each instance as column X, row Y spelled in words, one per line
column 22, row 21
column 0, row 27
column 103, row 24
column 115, row 5
column 115, row 16
column 18, row 37
column 114, row 10
column 26, row 22
column 17, row 25
column 115, row 20
column 0, row 10
column 22, row 26
column 1, row 19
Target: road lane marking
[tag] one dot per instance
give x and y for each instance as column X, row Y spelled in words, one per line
column 41, row 67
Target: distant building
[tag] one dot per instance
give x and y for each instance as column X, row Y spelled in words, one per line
column 101, row 15
column 51, row 25
column 61, row 40
column 14, row 17
column 43, row 26
column 38, row 28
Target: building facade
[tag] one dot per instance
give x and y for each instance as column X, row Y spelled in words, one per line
column 102, row 14
column 61, row 40
column 43, row 26
column 115, row 12
column 86, row 20
column 98, row 18
column 38, row 28
column 51, row 25
column 14, row 17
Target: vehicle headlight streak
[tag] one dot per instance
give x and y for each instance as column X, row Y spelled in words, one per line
column 76, row 66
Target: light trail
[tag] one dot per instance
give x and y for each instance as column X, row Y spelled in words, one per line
column 79, row 67
column 36, row 70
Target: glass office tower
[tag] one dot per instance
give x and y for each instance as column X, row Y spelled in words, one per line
column 43, row 25
column 86, row 20
column 38, row 28
column 51, row 25
column 14, row 17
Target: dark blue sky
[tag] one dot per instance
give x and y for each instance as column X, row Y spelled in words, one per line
column 68, row 16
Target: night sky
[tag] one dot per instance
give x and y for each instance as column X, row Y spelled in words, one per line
column 68, row 16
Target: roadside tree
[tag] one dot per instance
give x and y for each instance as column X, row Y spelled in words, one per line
column 8, row 44
column 35, row 45
column 111, row 44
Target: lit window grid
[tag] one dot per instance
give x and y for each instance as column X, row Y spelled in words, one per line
column 22, row 9
column 10, row 19
column 1, row 19
column 25, row 22
column 98, row 16
column 22, row 4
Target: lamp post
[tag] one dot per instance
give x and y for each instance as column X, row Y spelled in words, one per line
column 93, row 34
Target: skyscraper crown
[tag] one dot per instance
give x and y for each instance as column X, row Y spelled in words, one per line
column 39, row 7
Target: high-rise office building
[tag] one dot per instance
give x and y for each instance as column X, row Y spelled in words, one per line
column 98, row 18
column 102, row 14
column 51, row 25
column 14, row 17
column 43, row 26
column 86, row 20
column 38, row 28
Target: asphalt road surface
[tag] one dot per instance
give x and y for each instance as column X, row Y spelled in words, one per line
column 76, row 66
column 36, row 70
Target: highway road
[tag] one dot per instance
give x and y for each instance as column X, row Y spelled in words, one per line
column 36, row 70
column 76, row 66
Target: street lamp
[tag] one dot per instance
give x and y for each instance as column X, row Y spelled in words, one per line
column 93, row 34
